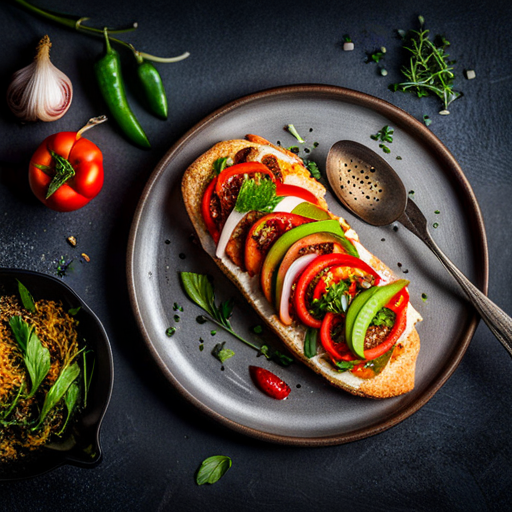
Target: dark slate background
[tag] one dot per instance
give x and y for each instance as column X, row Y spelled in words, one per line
column 453, row 454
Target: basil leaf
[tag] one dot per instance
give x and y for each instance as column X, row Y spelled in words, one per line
column 212, row 469
column 200, row 290
column 26, row 297
column 35, row 356
column 310, row 342
column 58, row 390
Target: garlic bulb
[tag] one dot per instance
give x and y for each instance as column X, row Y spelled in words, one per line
column 40, row 90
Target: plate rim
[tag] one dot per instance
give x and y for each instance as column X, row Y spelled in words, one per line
column 417, row 130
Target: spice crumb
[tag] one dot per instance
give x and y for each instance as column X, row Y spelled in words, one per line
column 85, row 257
column 71, row 241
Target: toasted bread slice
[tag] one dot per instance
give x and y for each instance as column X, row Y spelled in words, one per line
column 398, row 376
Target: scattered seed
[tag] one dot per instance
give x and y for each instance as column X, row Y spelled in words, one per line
column 71, row 241
column 85, row 257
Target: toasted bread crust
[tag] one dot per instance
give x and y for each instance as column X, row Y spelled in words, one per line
column 398, row 376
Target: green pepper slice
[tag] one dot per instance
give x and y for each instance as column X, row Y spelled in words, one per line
column 371, row 306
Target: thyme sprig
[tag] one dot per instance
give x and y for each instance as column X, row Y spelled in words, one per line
column 429, row 70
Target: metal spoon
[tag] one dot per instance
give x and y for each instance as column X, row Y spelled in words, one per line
column 369, row 187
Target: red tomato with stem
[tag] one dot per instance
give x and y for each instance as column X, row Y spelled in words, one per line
column 66, row 170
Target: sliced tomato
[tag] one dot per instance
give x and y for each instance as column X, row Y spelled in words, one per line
column 206, row 211
column 240, row 169
column 339, row 351
column 339, row 273
column 301, row 299
column 398, row 304
column 282, row 189
column 264, row 233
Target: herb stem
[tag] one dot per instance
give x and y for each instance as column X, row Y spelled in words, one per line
column 233, row 333
column 76, row 23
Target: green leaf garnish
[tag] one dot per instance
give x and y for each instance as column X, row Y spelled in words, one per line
column 335, row 300
column 384, row 317
column 63, row 172
column 212, row 469
column 222, row 353
column 257, row 195
column 219, row 165
column 26, row 297
column 429, row 70
column 35, row 356
column 200, row 290
column 310, row 342
column 58, row 390
column 70, row 399
column 74, row 311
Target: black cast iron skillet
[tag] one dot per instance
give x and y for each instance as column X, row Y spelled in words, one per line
column 85, row 451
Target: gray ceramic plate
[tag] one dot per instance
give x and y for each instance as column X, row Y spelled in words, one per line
column 314, row 414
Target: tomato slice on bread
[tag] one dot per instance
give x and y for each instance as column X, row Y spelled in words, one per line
column 263, row 235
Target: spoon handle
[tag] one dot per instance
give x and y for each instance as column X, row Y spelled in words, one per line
column 496, row 319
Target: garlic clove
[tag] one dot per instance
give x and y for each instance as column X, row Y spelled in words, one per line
column 40, row 90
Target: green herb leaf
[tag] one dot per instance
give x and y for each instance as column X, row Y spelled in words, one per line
column 212, row 469
column 257, row 195
column 63, row 172
column 74, row 311
column 384, row 317
column 222, row 353
column 335, row 300
column 219, row 165
column 26, row 297
column 70, row 399
column 58, row 390
column 200, row 290
column 35, row 356
column 310, row 342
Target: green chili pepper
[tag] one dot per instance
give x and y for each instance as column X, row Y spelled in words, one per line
column 108, row 75
column 375, row 302
column 152, row 87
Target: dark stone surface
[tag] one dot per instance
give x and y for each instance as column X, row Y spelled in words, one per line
column 453, row 454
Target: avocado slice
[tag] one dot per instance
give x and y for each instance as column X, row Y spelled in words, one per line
column 285, row 241
column 311, row 211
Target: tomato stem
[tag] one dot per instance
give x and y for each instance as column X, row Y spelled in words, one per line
column 94, row 121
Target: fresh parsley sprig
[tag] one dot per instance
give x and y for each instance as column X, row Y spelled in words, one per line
column 200, row 290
